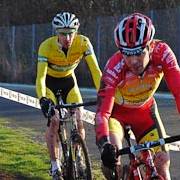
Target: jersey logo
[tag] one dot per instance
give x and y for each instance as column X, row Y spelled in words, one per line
column 62, row 68
column 112, row 73
column 169, row 58
column 119, row 66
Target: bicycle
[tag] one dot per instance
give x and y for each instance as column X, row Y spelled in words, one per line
column 73, row 147
column 141, row 165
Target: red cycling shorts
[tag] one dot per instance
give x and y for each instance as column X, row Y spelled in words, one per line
column 142, row 120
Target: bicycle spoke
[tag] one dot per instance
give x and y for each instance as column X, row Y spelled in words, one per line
column 80, row 162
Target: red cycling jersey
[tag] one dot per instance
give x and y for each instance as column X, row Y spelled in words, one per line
column 128, row 90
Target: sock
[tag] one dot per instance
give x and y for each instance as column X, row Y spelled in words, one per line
column 55, row 164
column 60, row 152
column 79, row 152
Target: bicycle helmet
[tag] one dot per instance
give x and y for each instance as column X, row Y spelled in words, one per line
column 133, row 33
column 65, row 20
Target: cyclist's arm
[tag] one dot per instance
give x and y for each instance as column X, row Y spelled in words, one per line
column 95, row 70
column 104, row 108
column 40, row 79
column 172, row 74
column 91, row 60
column 42, row 66
column 106, row 96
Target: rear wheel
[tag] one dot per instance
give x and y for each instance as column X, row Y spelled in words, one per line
column 79, row 161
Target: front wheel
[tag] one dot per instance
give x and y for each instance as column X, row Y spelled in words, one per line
column 79, row 161
column 125, row 172
column 159, row 177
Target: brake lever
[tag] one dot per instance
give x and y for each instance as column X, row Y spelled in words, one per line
column 51, row 111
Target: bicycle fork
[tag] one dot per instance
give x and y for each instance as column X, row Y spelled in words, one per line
column 64, row 148
column 147, row 159
column 134, row 170
column 74, row 150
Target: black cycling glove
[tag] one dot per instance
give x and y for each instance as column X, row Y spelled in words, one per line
column 108, row 155
column 45, row 104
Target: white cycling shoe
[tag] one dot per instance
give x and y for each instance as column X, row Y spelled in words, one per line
column 56, row 174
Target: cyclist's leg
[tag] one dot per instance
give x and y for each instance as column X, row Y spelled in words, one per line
column 162, row 163
column 53, row 86
column 142, row 120
column 74, row 96
column 162, row 158
column 116, row 133
column 52, row 138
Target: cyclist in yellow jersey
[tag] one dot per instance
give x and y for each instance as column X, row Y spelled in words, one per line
column 58, row 57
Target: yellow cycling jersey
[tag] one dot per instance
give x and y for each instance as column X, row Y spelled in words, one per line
column 54, row 62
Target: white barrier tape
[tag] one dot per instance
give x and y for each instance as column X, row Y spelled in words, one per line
column 174, row 146
column 88, row 116
column 19, row 97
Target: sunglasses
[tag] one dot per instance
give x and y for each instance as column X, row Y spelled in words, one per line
column 136, row 53
column 65, row 32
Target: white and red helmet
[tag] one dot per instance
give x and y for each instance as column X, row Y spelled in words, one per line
column 133, row 33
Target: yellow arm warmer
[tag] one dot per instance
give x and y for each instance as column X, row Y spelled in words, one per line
column 40, row 79
column 95, row 70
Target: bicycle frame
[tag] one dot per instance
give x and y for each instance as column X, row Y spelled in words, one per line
column 134, row 170
column 145, row 159
column 66, row 143
column 70, row 145
column 142, row 154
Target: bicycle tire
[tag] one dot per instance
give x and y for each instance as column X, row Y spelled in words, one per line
column 73, row 166
column 158, row 178
column 117, row 173
column 125, row 172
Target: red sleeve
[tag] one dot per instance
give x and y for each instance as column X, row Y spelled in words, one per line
column 105, row 106
column 110, row 78
column 171, row 72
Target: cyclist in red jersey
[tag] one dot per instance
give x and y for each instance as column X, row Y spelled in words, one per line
column 130, row 79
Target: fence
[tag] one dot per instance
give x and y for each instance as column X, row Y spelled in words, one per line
column 19, row 44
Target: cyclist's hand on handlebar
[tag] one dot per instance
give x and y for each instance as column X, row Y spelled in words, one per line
column 108, row 155
column 54, row 115
column 45, row 104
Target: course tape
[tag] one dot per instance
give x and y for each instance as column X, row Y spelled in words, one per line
column 88, row 116
column 19, row 97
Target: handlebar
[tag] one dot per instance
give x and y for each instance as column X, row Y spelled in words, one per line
column 147, row 145
column 52, row 108
column 75, row 105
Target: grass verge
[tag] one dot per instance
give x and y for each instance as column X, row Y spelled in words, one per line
column 20, row 156
column 24, row 158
